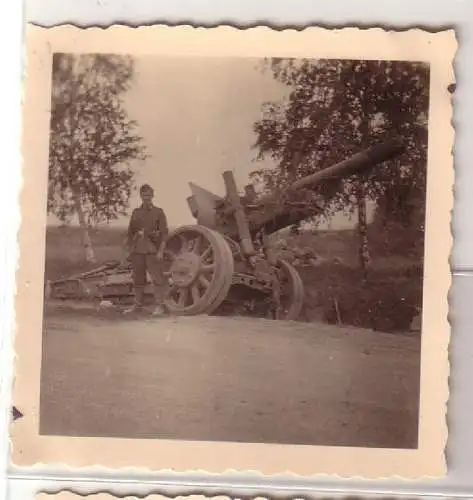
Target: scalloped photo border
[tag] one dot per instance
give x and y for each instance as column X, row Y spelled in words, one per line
column 428, row 460
column 69, row 495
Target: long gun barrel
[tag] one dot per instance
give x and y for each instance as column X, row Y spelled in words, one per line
column 269, row 213
column 359, row 162
column 270, row 217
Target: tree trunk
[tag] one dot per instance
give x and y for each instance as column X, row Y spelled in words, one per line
column 86, row 241
column 364, row 253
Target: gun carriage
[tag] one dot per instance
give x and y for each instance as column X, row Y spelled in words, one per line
column 224, row 260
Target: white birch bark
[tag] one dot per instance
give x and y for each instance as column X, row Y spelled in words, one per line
column 86, row 241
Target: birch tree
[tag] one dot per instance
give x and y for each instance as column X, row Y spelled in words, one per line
column 93, row 141
column 335, row 108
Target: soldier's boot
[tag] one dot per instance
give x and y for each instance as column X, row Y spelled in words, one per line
column 160, row 295
column 138, row 305
column 159, row 311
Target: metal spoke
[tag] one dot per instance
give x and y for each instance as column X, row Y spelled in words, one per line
column 206, row 253
column 183, row 295
column 204, row 281
column 196, row 244
column 195, row 293
column 184, row 243
column 208, row 267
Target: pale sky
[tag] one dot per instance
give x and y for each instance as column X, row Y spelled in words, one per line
column 196, row 117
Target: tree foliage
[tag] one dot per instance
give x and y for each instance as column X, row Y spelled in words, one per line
column 334, row 109
column 92, row 139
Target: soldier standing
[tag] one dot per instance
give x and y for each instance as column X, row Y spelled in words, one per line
column 147, row 232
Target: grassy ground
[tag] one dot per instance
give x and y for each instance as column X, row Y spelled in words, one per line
column 336, row 292
column 65, row 254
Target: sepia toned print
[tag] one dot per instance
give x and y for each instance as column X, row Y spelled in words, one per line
column 239, row 260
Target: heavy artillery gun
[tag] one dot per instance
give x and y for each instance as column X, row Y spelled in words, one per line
column 224, row 259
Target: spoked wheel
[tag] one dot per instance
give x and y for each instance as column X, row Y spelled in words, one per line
column 199, row 264
column 291, row 289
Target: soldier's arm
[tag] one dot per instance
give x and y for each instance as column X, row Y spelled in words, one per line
column 131, row 229
column 163, row 230
column 163, row 224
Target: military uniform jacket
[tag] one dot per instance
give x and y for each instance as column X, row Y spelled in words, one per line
column 147, row 229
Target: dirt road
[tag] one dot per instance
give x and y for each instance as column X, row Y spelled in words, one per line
column 229, row 379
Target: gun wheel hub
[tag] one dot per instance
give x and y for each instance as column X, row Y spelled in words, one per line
column 185, row 269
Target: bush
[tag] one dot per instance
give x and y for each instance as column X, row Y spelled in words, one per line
column 387, row 300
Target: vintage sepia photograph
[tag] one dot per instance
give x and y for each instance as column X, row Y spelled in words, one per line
column 290, row 190
column 234, row 247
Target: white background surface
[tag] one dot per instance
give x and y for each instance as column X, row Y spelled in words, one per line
column 433, row 14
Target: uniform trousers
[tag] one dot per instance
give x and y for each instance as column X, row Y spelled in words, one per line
column 143, row 263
